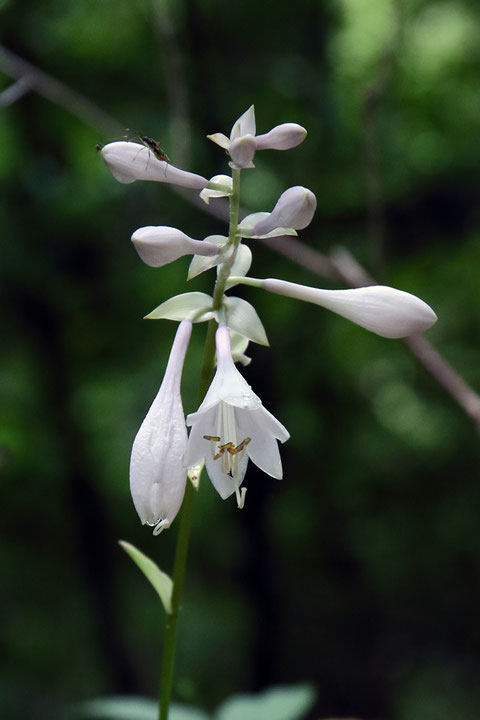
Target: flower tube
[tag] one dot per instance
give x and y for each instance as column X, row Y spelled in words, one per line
column 129, row 161
column 157, row 472
column 384, row 310
column 160, row 245
column 231, row 426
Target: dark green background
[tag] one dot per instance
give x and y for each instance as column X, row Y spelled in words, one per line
column 360, row 571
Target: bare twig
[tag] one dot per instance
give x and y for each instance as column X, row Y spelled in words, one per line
column 15, row 91
column 339, row 265
column 57, row 92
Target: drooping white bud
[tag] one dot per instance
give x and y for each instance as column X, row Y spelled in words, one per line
column 129, row 161
column 157, row 472
column 160, row 245
column 242, row 151
column 294, row 209
column 281, row 137
column 384, row 310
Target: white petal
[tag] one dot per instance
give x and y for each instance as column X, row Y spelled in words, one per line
column 223, row 483
column 201, row 263
column 263, row 447
column 282, row 137
column 202, row 423
column 157, row 472
column 294, row 209
column 130, row 161
column 384, row 310
column 245, row 125
column 160, row 245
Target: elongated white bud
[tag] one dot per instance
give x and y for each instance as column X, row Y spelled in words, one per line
column 160, row 245
column 294, row 209
column 384, row 310
column 281, row 137
column 129, row 161
column 157, row 472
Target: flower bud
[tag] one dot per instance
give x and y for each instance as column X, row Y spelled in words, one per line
column 129, row 161
column 281, row 137
column 294, row 209
column 161, row 245
column 157, row 472
column 383, row 310
column 242, row 151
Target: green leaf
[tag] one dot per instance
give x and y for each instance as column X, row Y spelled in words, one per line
column 242, row 317
column 201, row 263
column 278, row 703
column 194, row 306
column 118, row 708
column 132, row 708
column 160, row 580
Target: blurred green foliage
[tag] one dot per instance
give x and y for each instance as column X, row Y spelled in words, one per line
column 359, row 572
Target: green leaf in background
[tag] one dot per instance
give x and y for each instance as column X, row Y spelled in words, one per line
column 133, row 708
column 280, row 703
column 160, row 580
column 118, row 708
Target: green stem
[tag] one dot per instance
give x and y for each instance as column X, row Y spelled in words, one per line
column 186, row 515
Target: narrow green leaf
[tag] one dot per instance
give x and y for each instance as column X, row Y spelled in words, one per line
column 160, row 580
column 278, row 703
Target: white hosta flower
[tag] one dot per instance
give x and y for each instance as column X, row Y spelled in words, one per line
column 129, row 161
column 295, row 209
column 160, row 245
column 243, row 142
column 231, row 426
column 384, row 310
column 157, row 472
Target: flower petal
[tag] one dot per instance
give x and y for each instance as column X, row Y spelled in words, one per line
column 263, row 447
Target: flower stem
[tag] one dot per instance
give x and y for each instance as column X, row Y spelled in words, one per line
column 186, row 515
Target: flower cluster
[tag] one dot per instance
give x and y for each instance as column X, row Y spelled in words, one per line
column 231, row 425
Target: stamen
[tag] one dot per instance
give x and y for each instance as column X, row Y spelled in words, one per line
column 161, row 525
column 240, row 497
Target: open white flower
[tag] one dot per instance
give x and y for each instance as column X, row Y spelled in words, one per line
column 157, row 472
column 231, row 426
column 129, row 161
